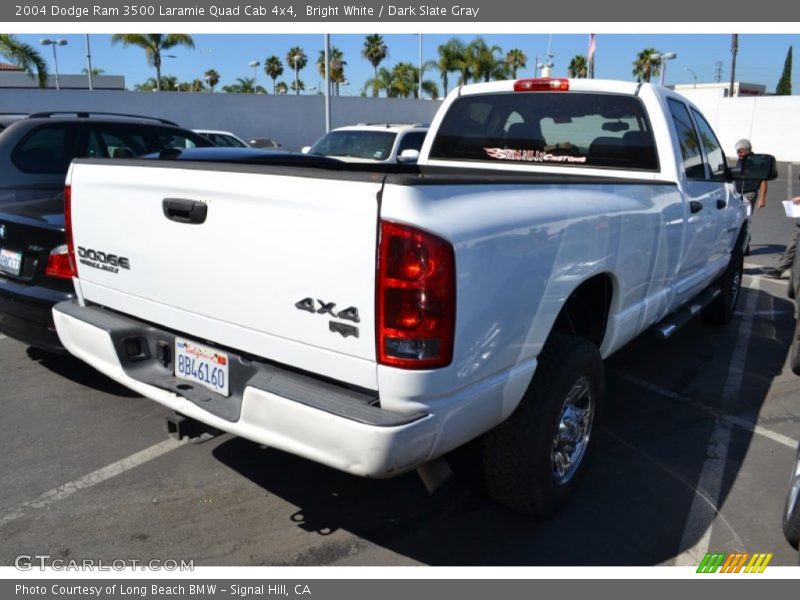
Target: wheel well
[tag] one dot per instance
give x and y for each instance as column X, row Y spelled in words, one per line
column 585, row 313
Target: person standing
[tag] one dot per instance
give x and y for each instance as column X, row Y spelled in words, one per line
column 755, row 192
column 787, row 258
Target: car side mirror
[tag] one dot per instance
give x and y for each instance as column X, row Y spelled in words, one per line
column 409, row 155
column 756, row 167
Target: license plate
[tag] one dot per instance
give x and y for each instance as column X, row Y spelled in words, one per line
column 10, row 261
column 201, row 364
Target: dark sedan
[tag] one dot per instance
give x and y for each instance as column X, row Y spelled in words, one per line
column 34, row 270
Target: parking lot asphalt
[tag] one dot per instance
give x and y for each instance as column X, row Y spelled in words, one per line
column 693, row 456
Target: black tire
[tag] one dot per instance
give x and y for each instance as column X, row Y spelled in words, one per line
column 794, row 351
column 722, row 308
column 519, row 455
column 791, row 511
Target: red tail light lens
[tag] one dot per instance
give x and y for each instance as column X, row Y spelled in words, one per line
column 68, row 226
column 59, row 263
column 541, row 84
column 416, row 298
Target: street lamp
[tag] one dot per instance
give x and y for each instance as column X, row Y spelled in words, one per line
column 663, row 58
column 54, row 43
column 255, row 64
column 693, row 75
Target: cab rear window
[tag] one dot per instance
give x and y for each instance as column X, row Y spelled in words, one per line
column 548, row 128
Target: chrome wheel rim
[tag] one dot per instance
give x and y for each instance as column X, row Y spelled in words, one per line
column 735, row 287
column 572, row 434
column 794, row 490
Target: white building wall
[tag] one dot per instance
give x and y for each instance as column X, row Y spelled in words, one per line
column 771, row 123
column 293, row 121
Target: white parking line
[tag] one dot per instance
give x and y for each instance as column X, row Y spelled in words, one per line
column 92, row 479
column 704, row 510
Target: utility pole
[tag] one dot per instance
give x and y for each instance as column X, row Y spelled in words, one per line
column 734, row 51
column 718, row 71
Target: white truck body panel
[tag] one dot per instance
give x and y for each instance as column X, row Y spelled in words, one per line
column 288, row 247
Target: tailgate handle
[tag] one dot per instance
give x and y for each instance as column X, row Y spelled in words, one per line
column 181, row 210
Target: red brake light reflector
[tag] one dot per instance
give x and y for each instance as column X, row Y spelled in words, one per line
column 59, row 264
column 541, row 84
column 68, row 227
column 416, row 298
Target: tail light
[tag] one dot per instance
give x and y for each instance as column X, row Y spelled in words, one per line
column 59, row 263
column 416, row 298
column 541, row 84
column 68, row 226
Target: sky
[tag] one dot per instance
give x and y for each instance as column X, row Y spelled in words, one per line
column 760, row 58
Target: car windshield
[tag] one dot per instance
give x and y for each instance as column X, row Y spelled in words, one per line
column 371, row 145
column 223, row 140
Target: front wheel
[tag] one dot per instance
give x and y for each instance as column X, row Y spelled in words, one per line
column 721, row 309
column 791, row 512
column 534, row 460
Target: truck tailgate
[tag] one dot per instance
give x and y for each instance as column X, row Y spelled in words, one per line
column 282, row 266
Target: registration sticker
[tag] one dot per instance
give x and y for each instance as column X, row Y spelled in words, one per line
column 202, row 364
column 10, row 261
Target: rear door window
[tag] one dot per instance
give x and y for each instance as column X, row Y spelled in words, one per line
column 687, row 140
column 714, row 154
column 548, row 128
column 129, row 140
column 47, row 150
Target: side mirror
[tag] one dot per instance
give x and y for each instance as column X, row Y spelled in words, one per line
column 756, row 167
column 305, row 149
column 408, row 155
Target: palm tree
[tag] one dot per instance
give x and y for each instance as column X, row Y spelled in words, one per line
column 94, row 71
column 281, row 88
column 375, row 50
column 578, row 67
column 645, row 66
column 169, row 83
column 450, row 55
column 25, row 56
column 244, row 85
column 515, row 60
column 153, row 44
column 212, row 78
column 487, row 62
column 381, row 82
column 298, row 86
column 430, row 88
column 337, row 64
column 147, row 86
column 273, row 67
column 298, row 59
column 405, row 78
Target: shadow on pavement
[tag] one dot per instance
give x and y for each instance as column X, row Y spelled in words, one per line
column 75, row 370
column 630, row 510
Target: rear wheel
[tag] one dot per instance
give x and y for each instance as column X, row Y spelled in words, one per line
column 721, row 309
column 791, row 512
column 794, row 351
column 535, row 459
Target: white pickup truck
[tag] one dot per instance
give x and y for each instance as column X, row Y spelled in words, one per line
column 374, row 319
